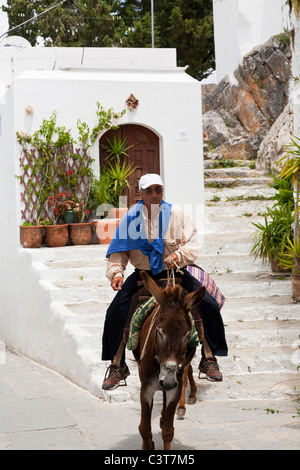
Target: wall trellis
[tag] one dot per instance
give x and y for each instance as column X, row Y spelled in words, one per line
column 71, row 174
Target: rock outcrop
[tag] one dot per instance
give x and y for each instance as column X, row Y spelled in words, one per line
column 273, row 145
column 240, row 112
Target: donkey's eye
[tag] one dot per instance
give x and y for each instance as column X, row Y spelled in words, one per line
column 160, row 333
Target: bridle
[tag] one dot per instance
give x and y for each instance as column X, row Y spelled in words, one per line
column 184, row 360
column 181, row 364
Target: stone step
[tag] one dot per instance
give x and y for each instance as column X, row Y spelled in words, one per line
column 67, row 292
column 227, row 243
column 214, row 223
column 68, row 271
column 67, row 253
column 245, row 334
column 244, row 191
column 230, row 182
column 220, row 264
column 211, row 163
column 256, row 308
column 234, row 172
column 232, row 209
column 239, row 285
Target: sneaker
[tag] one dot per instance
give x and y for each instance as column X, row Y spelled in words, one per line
column 210, row 368
column 113, row 377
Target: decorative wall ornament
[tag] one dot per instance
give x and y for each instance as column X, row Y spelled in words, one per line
column 29, row 110
column 132, row 102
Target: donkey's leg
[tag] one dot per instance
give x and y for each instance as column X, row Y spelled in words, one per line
column 163, row 410
column 193, row 387
column 181, row 405
column 145, row 425
column 168, row 423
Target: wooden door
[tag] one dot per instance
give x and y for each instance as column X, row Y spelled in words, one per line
column 144, row 154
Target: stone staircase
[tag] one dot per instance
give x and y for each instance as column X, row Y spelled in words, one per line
column 262, row 322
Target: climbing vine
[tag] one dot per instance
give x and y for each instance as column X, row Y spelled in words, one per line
column 53, row 161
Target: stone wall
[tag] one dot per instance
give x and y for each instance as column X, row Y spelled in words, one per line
column 239, row 113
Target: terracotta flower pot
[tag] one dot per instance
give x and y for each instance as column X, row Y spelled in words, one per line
column 31, row 236
column 81, row 234
column 276, row 268
column 296, row 287
column 105, row 230
column 57, row 235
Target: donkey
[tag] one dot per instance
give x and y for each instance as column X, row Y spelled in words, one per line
column 164, row 354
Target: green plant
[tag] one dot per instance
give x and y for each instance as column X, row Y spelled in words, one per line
column 291, row 161
column 119, row 181
column 274, row 233
column 291, row 169
column 224, row 163
column 284, row 188
column 116, row 148
column 28, row 224
column 284, row 38
column 289, row 259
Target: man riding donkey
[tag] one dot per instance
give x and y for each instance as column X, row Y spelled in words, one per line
column 155, row 236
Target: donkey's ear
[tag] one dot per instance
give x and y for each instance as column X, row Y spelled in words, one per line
column 194, row 298
column 152, row 286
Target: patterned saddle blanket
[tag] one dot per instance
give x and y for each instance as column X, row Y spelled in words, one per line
column 140, row 316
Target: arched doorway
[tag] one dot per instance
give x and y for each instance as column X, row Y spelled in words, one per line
column 144, row 154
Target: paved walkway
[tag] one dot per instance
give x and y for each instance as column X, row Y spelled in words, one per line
column 40, row 410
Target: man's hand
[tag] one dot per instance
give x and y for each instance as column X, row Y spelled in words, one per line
column 117, row 283
column 169, row 261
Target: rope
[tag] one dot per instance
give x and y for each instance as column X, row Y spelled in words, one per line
column 149, row 331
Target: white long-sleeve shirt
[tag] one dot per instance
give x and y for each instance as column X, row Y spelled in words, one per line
column 181, row 238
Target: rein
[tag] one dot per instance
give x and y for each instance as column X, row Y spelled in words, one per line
column 149, row 331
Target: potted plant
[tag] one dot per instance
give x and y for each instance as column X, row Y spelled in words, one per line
column 31, row 235
column 110, row 189
column 57, row 233
column 81, row 232
column 273, row 234
column 52, row 162
column 116, row 173
column 290, row 259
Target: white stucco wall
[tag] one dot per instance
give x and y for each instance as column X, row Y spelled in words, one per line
column 239, row 25
column 16, row 60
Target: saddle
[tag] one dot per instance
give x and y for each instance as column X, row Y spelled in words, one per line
column 138, row 299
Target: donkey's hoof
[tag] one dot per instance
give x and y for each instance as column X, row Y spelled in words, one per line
column 192, row 400
column 180, row 412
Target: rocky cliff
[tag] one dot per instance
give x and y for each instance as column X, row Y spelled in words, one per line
column 240, row 112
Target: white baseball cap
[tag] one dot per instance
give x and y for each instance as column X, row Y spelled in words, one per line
column 149, row 179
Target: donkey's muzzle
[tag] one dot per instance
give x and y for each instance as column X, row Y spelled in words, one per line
column 168, row 377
